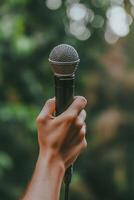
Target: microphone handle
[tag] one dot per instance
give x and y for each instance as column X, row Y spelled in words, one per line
column 64, row 93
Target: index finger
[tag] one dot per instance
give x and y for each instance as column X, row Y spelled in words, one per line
column 74, row 109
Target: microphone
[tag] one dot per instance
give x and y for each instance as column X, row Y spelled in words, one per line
column 64, row 61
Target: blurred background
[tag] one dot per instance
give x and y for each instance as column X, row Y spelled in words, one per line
column 102, row 31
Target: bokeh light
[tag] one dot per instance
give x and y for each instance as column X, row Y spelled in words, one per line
column 117, row 2
column 79, row 30
column 79, row 16
column 24, row 45
column 110, row 37
column 132, row 11
column 53, row 4
column 77, row 12
column 118, row 23
column 90, row 15
column 6, row 26
column 132, row 2
column 85, row 35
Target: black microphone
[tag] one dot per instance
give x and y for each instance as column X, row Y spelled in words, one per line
column 64, row 60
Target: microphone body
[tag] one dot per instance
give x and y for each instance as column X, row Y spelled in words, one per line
column 64, row 93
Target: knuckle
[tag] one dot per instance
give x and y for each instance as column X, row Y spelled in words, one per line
column 40, row 120
column 84, row 144
column 82, row 134
column 48, row 101
column 82, row 101
column 78, row 124
column 71, row 117
column 81, row 137
column 84, row 112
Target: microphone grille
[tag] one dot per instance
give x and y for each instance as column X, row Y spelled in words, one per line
column 64, row 53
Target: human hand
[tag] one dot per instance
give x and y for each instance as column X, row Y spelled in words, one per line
column 62, row 138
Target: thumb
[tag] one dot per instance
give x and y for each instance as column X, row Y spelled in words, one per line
column 47, row 111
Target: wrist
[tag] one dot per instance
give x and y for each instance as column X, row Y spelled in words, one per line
column 52, row 162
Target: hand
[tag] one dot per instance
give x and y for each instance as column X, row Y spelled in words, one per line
column 62, row 138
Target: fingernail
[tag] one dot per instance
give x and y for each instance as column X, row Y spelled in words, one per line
column 84, row 100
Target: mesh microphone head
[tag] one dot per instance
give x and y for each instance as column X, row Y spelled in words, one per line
column 64, row 60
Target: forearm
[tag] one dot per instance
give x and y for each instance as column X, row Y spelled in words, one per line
column 61, row 139
column 46, row 181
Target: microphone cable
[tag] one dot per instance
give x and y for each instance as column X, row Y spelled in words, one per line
column 67, row 181
column 67, row 191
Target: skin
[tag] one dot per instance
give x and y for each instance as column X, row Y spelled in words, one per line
column 61, row 139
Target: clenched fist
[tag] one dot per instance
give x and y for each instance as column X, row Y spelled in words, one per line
column 62, row 138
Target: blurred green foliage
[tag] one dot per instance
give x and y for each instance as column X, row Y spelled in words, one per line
column 28, row 31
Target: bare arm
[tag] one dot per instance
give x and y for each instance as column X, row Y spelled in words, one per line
column 61, row 139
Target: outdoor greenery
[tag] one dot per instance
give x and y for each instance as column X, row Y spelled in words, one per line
column 29, row 29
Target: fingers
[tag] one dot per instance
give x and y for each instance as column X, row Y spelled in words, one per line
column 82, row 115
column 47, row 111
column 78, row 135
column 78, row 125
column 78, row 104
column 74, row 109
column 82, row 132
column 76, row 152
column 79, row 122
